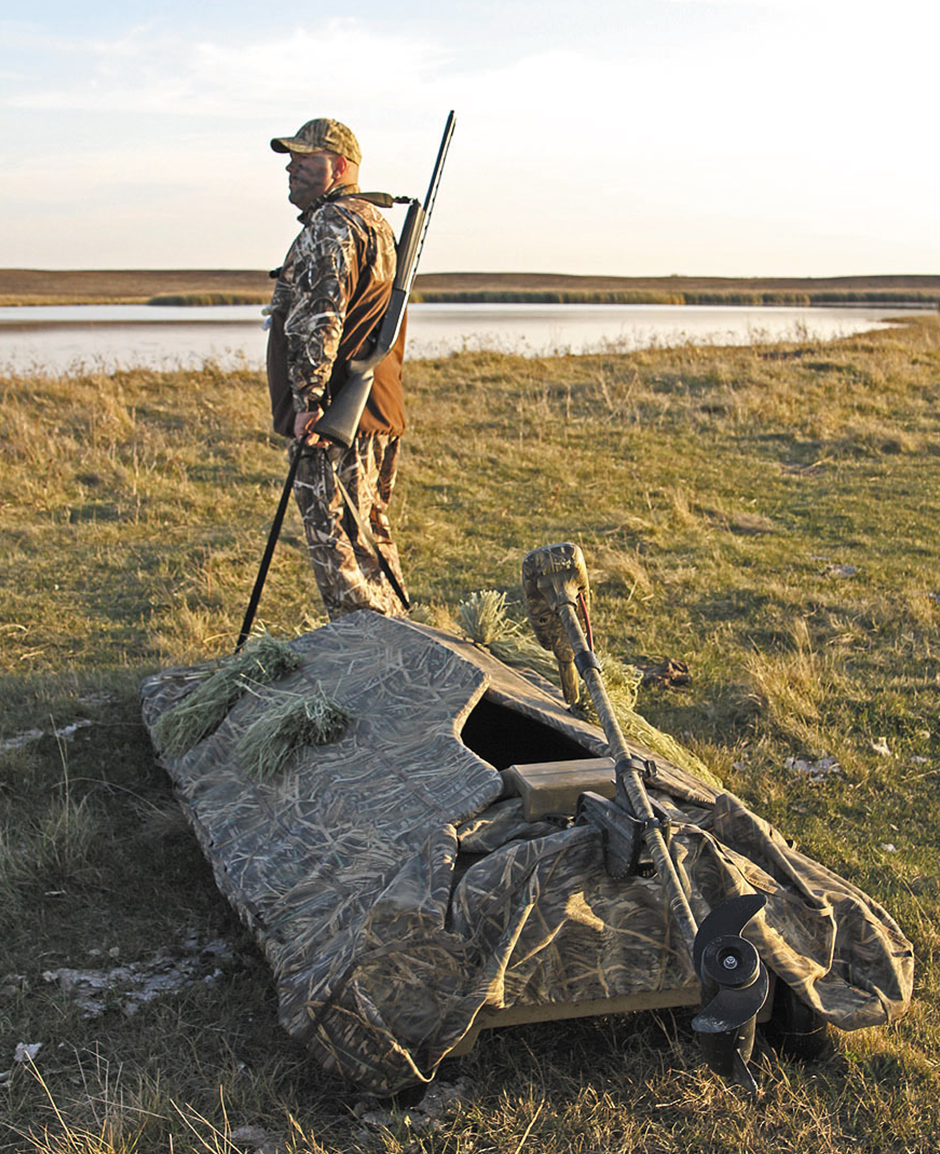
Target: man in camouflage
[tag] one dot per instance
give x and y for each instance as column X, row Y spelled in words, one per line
column 334, row 286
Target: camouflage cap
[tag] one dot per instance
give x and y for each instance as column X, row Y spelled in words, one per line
column 328, row 135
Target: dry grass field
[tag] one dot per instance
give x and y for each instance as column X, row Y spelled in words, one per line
column 768, row 515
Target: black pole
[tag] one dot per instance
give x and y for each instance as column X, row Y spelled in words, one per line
column 269, row 550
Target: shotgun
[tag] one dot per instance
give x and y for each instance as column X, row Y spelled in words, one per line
column 340, row 422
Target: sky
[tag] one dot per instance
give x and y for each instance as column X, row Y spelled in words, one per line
column 605, row 137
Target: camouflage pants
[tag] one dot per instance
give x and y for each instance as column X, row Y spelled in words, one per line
column 347, row 574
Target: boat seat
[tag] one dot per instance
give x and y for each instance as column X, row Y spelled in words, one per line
column 552, row 788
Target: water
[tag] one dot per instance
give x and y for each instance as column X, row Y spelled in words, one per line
column 63, row 337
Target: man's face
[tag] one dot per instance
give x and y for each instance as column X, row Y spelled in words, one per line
column 311, row 174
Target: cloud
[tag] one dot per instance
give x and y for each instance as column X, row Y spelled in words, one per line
column 783, row 118
column 146, row 71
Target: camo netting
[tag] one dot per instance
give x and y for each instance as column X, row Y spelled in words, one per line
column 397, row 894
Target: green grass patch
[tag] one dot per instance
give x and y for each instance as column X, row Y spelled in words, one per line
column 287, row 726
column 261, row 662
column 767, row 515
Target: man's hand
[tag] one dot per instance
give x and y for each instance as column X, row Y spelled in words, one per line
column 303, row 428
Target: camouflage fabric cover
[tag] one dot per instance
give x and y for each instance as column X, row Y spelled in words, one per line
column 396, row 895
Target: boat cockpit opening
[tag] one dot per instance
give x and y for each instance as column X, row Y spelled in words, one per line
column 504, row 737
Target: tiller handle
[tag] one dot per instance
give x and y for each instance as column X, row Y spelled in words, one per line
column 734, row 980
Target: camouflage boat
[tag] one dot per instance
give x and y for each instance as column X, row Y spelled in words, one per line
column 423, row 876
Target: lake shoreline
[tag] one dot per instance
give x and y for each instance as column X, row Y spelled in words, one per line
column 74, row 336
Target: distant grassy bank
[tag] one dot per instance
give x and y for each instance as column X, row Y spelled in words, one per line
column 677, row 290
column 227, row 286
column 911, row 298
column 126, row 286
column 768, row 514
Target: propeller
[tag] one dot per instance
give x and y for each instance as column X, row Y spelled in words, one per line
column 734, row 988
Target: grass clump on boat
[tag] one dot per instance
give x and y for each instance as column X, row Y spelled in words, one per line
column 483, row 618
column 289, row 725
column 262, row 662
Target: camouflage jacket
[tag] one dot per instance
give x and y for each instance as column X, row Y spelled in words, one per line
column 334, row 286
